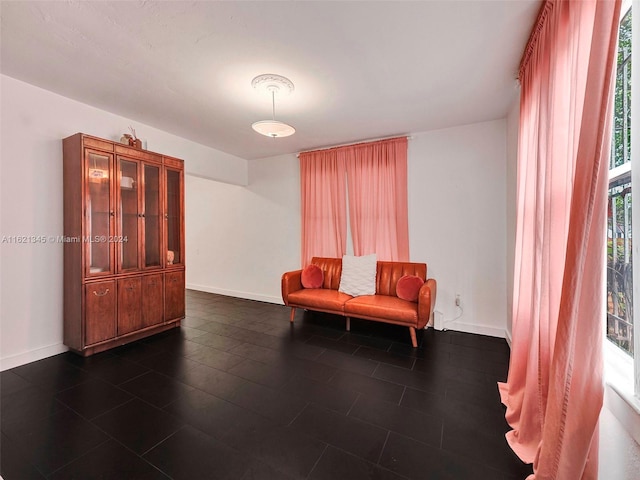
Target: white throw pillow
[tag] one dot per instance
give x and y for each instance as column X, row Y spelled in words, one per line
column 358, row 275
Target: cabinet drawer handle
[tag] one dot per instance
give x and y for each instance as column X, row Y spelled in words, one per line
column 130, row 288
column 101, row 294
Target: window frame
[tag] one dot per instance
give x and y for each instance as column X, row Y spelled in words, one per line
column 635, row 176
column 622, row 372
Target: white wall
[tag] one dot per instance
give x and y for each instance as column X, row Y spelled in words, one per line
column 240, row 240
column 513, row 123
column 457, row 221
column 33, row 123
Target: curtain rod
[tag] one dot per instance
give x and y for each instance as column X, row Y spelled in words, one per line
column 408, row 137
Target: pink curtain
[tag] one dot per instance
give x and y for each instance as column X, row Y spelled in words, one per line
column 324, row 206
column 554, row 389
column 377, row 186
column 375, row 174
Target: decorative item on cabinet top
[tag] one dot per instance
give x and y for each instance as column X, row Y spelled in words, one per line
column 131, row 139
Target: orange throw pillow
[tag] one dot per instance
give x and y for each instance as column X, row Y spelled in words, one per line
column 312, row 276
column 408, row 287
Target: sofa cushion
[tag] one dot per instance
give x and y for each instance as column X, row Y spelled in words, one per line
column 358, row 275
column 383, row 308
column 319, row 299
column 408, row 287
column 312, row 276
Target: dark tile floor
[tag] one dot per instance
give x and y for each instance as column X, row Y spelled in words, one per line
column 239, row 393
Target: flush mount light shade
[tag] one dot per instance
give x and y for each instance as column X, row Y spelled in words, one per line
column 273, row 128
column 273, row 84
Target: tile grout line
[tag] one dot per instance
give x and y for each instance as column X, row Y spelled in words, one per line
column 165, row 439
column 402, row 396
column 326, row 447
column 383, row 447
column 353, row 404
column 109, row 436
column 72, row 461
column 296, row 417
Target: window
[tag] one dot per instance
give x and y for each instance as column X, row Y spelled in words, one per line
column 620, row 329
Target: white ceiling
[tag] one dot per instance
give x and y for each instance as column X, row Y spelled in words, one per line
column 361, row 70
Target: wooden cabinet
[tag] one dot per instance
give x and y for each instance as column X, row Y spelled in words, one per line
column 123, row 243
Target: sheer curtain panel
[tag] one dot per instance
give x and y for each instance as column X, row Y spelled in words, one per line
column 377, row 185
column 554, row 389
column 323, row 204
column 375, row 175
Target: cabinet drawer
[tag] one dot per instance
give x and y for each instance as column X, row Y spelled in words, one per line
column 100, row 312
column 173, row 295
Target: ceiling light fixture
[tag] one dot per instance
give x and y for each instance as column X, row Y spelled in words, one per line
column 271, row 83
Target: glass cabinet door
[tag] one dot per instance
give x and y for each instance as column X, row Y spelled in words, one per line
column 151, row 215
column 128, row 214
column 99, row 214
column 173, row 216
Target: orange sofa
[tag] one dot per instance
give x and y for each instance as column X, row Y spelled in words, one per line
column 384, row 306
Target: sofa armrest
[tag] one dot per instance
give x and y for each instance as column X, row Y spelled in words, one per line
column 426, row 302
column 291, row 282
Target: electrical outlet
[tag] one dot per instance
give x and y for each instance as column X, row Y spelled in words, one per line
column 457, row 299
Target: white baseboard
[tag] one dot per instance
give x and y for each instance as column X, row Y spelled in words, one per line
column 507, row 336
column 474, row 328
column 438, row 320
column 31, row 356
column 236, row 293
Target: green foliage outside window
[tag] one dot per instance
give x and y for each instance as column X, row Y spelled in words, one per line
column 622, row 115
column 619, row 241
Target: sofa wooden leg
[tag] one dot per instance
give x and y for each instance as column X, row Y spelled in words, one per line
column 348, row 324
column 414, row 341
column 293, row 314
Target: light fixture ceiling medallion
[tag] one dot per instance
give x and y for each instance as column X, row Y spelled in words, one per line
column 273, row 84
